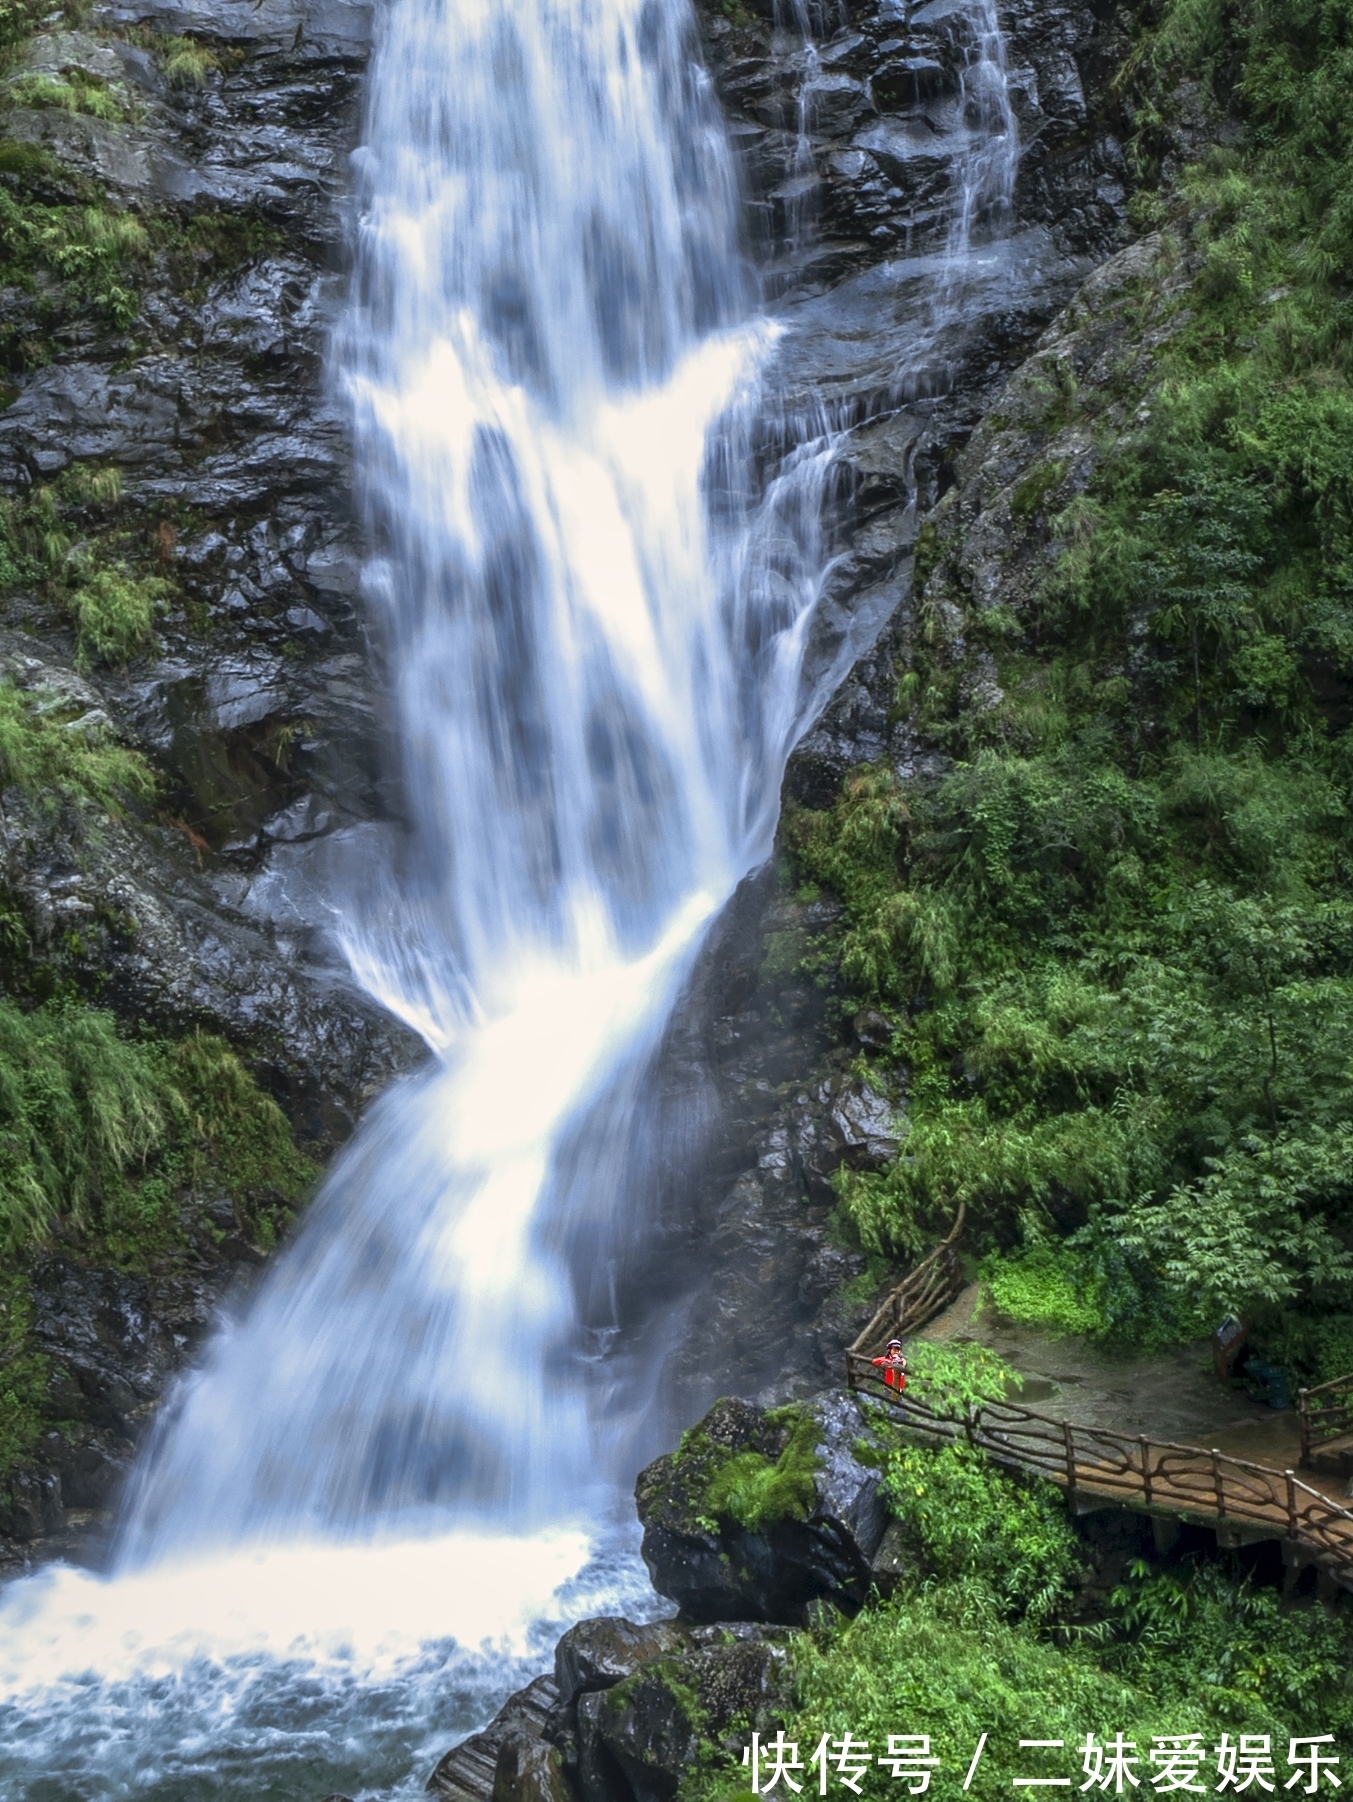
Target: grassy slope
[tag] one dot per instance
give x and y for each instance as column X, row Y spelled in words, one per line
column 1116, row 941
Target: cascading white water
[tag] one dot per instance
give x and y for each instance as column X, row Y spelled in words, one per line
column 984, row 170
column 550, row 355
column 593, row 620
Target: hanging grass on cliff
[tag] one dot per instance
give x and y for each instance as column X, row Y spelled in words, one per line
column 1116, row 939
column 103, row 1133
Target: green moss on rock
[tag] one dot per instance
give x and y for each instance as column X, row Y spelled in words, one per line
column 756, row 1490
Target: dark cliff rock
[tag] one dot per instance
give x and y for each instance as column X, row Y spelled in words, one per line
column 141, row 926
column 740, row 1524
column 112, row 1340
column 211, row 404
column 188, row 394
column 843, row 137
column 764, row 1055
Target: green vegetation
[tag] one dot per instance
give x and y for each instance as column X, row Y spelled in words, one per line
column 137, row 1153
column 185, row 62
column 756, row 1491
column 56, row 753
column 66, row 542
column 70, row 253
column 23, row 1374
column 79, row 1109
column 1116, row 940
column 1001, row 1628
column 952, row 1380
column 75, row 90
column 968, row 1520
column 113, row 612
column 107, row 1134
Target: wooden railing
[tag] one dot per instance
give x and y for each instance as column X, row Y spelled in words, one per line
column 925, row 1291
column 1092, row 1462
column 1326, row 1413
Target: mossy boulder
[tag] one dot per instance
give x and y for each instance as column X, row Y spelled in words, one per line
column 652, row 1729
column 640, row 1706
column 758, row 1514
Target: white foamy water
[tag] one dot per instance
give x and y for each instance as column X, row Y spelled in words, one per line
column 369, row 1512
column 292, row 1672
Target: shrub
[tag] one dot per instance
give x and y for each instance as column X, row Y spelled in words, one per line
column 187, row 63
column 102, row 1131
column 54, row 753
column 968, row 1519
column 75, row 91
column 114, row 613
column 79, row 1107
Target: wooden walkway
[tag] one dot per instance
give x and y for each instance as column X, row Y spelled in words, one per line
column 1243, row 1501
column 1326, row 1416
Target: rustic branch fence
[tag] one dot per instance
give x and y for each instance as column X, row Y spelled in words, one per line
column 924, row 1292
column 1326, row 1414
column 1090, row 1462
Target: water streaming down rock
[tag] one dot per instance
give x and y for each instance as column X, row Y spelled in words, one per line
column 598, row 553
column 594, row 625
column 593, row 630
column 984, row 169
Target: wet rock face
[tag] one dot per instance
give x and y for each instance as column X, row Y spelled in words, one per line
column 209, row 412
column 846, row 141
column 213, row 405
column 112, row 1341
column 717, row 1567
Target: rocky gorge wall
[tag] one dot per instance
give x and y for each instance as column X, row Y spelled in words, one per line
column 176, row 180
column 174, row 251
column 847, row 172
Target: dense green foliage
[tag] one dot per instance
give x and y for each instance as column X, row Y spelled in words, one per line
column 68, row 543
column 56, row 752
column 140, row 1153
column 952, row 1380
column 23, row 1373
column 972, row 1521
column 1116, row 940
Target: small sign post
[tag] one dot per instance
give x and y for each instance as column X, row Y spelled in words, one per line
column 1228, row 1342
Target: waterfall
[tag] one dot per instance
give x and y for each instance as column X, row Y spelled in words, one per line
column 369, row 1512
column 593, row 627
column 983, row 182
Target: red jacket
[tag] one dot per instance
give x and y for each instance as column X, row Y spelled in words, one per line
column 894, row 1372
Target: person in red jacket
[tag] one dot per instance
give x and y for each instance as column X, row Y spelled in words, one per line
column 893, row 1365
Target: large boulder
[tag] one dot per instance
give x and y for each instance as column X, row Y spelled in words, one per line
column 625, row 1715
column 637, row 1703
column 757, row 1515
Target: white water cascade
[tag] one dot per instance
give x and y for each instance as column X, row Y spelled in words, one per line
column 383, row 1486
column 551, row 359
